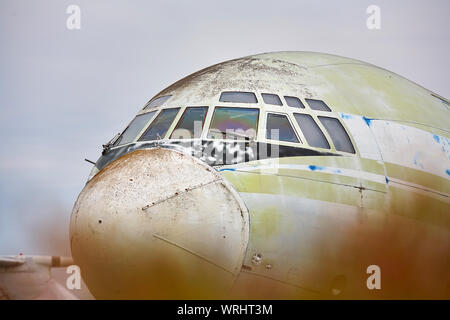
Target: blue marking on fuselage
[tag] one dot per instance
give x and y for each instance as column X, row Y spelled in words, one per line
column 436, row 138
column 416, row 161
column 320, row 168
column 314, row 168
column 448, row 172
column 346, row 116
column 227, row 169
column 367, row 120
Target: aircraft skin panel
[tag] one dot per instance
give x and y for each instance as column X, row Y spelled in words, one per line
column 362, row 136
column 300, row 238
column 418, row 178
column 303, row 241
column 419, row 206
column 316, row 174
column 379, row 94
column 400, row 144
column 291, row 231
column 413, row 148
column 415, row 179
column 291, row 185
column 349, row 176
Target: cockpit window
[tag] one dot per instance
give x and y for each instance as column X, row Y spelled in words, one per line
column 191, row 123
column 157, row 102
column 158, row 128
column 270, row 98
column 294, row 102
column 313, row 135
column 317, row 105
column 234, row 123
column 134, row 128
column 338, row 134
column 238, row 96
column 279, row 128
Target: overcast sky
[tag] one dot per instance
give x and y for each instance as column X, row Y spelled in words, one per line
column 65, row 92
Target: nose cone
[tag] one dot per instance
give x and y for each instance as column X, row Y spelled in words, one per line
column 158, row 224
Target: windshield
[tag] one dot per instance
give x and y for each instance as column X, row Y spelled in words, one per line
column 158, row 129
column 134, row 128
column 279, row 128
column 191, row 123
column 239, row 122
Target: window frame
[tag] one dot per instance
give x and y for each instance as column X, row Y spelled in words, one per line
column 321, row 128
column 210, row 117
column 318, row 110
column 271, row 104
column 294, row 108
column 288, row 116
column 156, row 112
column 169, row 129
column 346, row 132
column 147, row 105
column 263, row 110
column 239, row 102
column 180, row 118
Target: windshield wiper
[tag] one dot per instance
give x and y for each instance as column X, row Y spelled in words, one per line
column 110, row 143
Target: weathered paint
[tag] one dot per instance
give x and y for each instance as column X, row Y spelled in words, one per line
column 314, row 220
column 158, row 214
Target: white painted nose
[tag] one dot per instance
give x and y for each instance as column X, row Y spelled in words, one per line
column 158, row 224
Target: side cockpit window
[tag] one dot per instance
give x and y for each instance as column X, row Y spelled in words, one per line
column 270, row 98
column 279, row 128
column 238, row 97
column 157, row 102
column 318, row 105
column 313, row 135
column 294, row 102
column 234, row 123
column 134, row 128
column 191, row 123
column 338, row 134
column 158, row 128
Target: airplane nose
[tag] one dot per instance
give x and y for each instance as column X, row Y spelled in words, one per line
column 158, row 224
